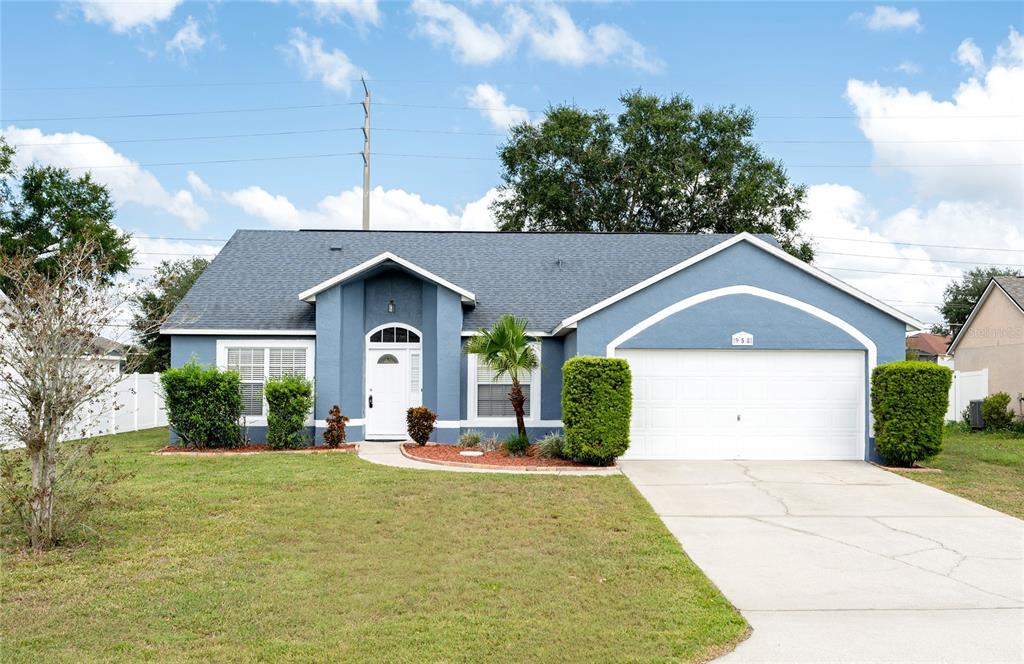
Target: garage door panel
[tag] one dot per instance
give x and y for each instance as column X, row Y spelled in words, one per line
column 691, row 404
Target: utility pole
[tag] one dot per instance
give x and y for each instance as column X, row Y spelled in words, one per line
column 366, row 155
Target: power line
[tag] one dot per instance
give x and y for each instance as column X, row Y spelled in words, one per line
column 174, row 139
column 216, row 161
column 455, row 132
column 254, row 109
column 915, row 244
column 225, row 84
column 895, row 274
column 477, row 158
column 900, row 258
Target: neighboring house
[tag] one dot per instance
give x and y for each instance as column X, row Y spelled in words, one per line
column 992, row 338
column 738, row 350
column 928, row 347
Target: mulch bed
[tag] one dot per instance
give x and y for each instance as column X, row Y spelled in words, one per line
column 450, row 454
column 250, row 449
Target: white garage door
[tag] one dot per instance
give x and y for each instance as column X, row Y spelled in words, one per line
column 746, row 404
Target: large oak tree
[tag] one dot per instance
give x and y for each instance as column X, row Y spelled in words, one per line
column 46, row 213
column 662, row 165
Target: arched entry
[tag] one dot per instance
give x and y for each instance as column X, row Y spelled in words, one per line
column 393, row 379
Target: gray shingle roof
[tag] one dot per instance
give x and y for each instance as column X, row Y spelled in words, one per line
column 1014, row 287
column 255, row 280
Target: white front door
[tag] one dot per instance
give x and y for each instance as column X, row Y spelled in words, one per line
column 746, row 404
column 387, row 378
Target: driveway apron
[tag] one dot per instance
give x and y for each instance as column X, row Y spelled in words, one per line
column 841, row 561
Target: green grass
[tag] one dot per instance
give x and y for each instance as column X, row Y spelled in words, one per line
column 329, row 558
column 987, row 468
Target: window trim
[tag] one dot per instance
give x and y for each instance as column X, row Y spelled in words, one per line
column 308, row 344
column 472, row 389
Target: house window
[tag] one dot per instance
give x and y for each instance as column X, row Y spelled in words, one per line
column 492, row 396
column 394, row 335
column 256, row 365
column 387, row 358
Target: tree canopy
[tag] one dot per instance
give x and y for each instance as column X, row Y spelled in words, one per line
column 154, row 304
column 45, row 212
column 661, row 166
column 960, row 296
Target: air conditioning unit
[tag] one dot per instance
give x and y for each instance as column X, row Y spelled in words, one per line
column 977, row 422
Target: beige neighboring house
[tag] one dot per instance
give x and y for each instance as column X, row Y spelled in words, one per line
column 993, row 339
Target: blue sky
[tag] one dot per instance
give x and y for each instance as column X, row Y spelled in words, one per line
column 824, row 78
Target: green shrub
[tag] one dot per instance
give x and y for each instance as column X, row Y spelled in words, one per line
column 551, row 446
column 909, row 402
column 597, row 402
column 204, row 405
column 334, row 435
column 516, row 445
column 470, row 439
column 420, row 421
column 994, row 411
column 289, row 400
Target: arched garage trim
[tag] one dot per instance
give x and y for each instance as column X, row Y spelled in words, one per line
column 694, row 300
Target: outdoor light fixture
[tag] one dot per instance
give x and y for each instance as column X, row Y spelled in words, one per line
column 391, row 306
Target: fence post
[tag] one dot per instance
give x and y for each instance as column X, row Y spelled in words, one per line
column 135, row 400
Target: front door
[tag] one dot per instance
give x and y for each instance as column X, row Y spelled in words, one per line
column 387, row 394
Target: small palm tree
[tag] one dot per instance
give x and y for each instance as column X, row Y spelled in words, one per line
column 506, row 350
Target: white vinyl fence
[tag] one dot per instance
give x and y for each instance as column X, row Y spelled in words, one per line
column 967, row 385
column 135, row 403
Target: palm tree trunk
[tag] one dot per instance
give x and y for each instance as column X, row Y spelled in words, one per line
column 515, row 395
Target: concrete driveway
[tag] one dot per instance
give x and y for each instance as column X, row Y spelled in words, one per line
column 842, row 561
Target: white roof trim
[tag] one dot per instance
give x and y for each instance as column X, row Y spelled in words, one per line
column 977, row 307
column 529, row 333
column 310, row 294
column 237, row 332
column 721, row 246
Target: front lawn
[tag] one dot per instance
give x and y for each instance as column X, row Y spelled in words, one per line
column 329, row 558
column 987, row 468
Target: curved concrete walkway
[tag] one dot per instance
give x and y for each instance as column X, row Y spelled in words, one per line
column 839, row 561
column 390, row 454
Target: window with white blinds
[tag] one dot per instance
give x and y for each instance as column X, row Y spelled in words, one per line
column 287, row 362
column 256, row 365
column 492, row 396
column 251, row 367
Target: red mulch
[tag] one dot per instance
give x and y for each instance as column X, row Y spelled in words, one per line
column 246, row 449
column 496, row 458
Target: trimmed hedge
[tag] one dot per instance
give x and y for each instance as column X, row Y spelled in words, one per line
column 995, row 411
column 597, row 402
column 204, row 405
column 289, row 400
column 909, row 401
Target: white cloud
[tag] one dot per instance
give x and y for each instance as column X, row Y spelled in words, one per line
column 969, row 55
column 547, row 30
column 390, row 209
column 928, row 138
column 909, row 68
column 447, row 25
column 492, row 105
column 885, row 17
column 198, row 185
column 363, row 12
column 912, row 278
column 187, row 39
column 124, row 16
column 151, row 251
column 257, row 202
column 128, row 182
column 333, row 68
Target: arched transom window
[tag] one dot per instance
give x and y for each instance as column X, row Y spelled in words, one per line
column 395, row 335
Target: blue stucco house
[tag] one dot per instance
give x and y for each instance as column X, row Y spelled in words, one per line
column 738, row 350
